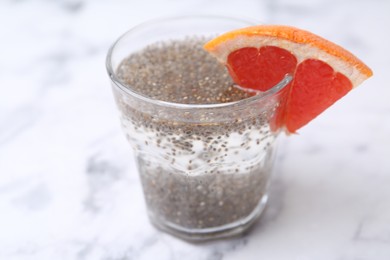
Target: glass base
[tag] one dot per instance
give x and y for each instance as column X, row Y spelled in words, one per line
column 205, row 234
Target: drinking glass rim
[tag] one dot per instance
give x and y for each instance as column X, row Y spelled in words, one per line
column 256, row 98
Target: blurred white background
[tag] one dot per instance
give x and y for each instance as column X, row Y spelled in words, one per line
column 68, row 185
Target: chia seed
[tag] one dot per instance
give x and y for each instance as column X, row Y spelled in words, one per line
column 199, row 169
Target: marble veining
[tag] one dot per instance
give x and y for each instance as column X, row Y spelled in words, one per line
column 69, row 188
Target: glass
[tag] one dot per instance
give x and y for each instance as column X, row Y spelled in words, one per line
column 205, row 168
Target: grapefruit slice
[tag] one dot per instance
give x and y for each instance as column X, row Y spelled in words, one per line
column 258, row 57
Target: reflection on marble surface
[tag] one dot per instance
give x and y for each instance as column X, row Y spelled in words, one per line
column 68, row 184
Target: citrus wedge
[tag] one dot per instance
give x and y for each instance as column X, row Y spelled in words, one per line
column 258, row 57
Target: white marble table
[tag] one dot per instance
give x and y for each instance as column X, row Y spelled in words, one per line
column 68, row 185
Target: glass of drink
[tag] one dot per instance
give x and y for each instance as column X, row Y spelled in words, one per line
column 204, row 147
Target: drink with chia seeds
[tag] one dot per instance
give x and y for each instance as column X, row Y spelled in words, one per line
column 203, row 145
